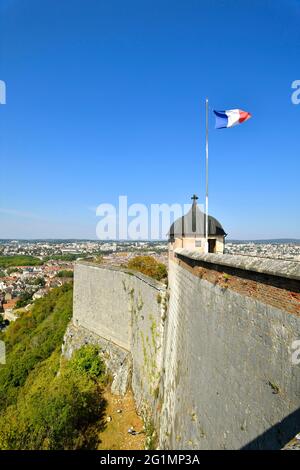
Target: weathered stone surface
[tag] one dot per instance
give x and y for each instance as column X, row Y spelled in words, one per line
column 214, row 370
column 127, row 310
column 274, row 267
column 229, row 378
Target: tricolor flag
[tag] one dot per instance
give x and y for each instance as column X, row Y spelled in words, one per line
column 231, row 118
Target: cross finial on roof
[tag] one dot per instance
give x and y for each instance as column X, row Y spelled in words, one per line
column 194, row 198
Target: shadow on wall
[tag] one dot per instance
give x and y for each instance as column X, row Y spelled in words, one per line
column 278, row 435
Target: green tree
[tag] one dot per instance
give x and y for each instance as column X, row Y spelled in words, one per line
column 53, row 410
column 24, row 300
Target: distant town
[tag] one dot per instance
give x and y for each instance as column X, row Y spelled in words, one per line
column 276, row 249
column 30, row 268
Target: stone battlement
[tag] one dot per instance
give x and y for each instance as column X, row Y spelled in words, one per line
column 269, row 266
column 262, row 279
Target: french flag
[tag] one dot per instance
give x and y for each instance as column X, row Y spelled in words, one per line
column 231, row 118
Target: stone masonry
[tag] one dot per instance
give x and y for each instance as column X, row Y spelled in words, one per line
column 123, row 312
column 230, row 382
column 213, row 367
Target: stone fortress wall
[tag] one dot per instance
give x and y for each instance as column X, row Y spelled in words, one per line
column 231, row 324
column 124, row 313
column 213, row 368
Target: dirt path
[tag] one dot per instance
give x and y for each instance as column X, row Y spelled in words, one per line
column 116, row 436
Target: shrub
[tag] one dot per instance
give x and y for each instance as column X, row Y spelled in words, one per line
column 87, row 360
column 65, row 273
column 149, row 266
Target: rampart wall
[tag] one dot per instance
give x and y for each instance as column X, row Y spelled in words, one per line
column 124, row 313
column 230, row 381
column 214, row 370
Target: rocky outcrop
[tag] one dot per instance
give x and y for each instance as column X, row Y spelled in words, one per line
column 117, row 360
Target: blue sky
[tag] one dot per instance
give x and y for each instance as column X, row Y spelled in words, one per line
column 106, row 98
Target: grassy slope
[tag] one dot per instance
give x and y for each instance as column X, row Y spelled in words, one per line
column 39, row 407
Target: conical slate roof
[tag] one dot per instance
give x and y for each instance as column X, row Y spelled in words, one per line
column 193, row 224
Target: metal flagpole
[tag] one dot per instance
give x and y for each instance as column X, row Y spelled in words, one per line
column 206, row 177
